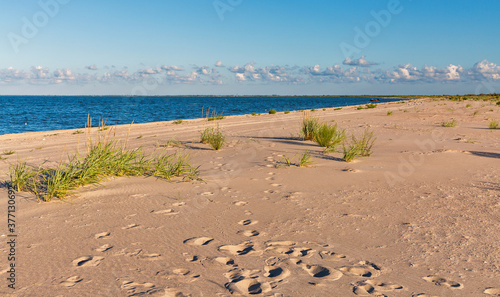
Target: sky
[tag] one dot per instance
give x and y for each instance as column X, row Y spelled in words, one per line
column 249, row 47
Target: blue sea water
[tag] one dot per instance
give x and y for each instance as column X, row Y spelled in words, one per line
column 43, row 113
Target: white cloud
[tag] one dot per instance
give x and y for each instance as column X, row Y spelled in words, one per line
column 358, row 62
column 172, row 68
column 91, row 67
column 219, row 64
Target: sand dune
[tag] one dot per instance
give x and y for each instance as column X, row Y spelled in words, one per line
column 420, row 217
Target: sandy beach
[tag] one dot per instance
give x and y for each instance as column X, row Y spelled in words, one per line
column 419, row 217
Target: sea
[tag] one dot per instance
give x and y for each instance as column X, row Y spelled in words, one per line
column 44, row 113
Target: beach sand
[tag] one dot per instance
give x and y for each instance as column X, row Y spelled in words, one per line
column 420, row 217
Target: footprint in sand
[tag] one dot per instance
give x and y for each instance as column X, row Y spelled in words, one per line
column 243, row 281
column 363, row 268
column 269, row 178
column 71, row 282
column 249, row 233
column 322, row 272
column 224, row 260
column 249, row 286
column 423, row 295
column 198, row 241
column 281, row 243
column 88, row 261
column 165, row 212
column 130, row 226
column 102, row 235
column 276, row 185
column 247, row 222
column 104, row 248
column 372, row 287
column 240, row 203
column 185, row 272
column 237, row 250
column 150, row 257
column 328, row 255
column 207, row 194
column 443, row 282
column 137, row 289
column 179, row 204
column 280, row 247
column 492, row 291
column 190, row 258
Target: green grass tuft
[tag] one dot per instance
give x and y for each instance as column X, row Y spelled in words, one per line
column 305, row 159
column 309, row 126
column 359, row 147
column 287, row 111
column 493, row 125
column 7, row 153
column 272, row 111
column 389, row 113
column 177, row 122
column 328, row 136
column 450, row 123
column 214, row 137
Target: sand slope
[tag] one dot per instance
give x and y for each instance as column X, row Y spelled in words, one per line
column 420, row 217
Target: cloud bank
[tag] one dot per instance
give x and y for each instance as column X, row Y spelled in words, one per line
column 352, row 71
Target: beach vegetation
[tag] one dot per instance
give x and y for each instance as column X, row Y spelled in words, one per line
column 213, row 115
column 214, row 137
column 78, row 132
column 305, row 159
column 450, row 123
column 493, row 124
column 105, row 157
column 371, row 105
column 468, row 105
column 7, row 153
column 285, row 161
column 272, row 111
column 309, row 126
column 337, row 108
column 328, row 136
column 389, row 112
column 287, row 111
column 254, row 114
column 177, row 122
column 358, row 147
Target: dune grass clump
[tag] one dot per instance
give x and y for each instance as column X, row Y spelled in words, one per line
column 177, row 122
column 214, row 137
column 493, row 125
column 389, row 113
column 272, row 111
column 287, row 112
column 328, row 136
column 305, row 159
column 450, row 123
column 371, row 105
column 105, row 158
column 8, row 153
column 359, row 147
column 213, row 116
column 309, row 126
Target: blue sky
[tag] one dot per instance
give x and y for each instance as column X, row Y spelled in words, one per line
column 164, row 47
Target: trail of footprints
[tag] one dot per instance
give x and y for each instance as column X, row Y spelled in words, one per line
column 282, row 260
column 130, row 287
